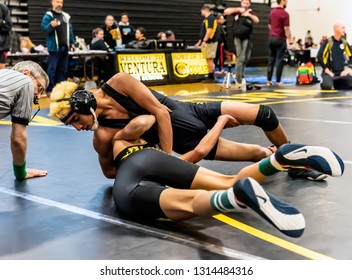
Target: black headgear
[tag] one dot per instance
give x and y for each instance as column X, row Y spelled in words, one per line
column 81, row 101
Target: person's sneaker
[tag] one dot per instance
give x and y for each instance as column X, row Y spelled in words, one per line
column 306, row 173
column 317, row 158
column 281, row 215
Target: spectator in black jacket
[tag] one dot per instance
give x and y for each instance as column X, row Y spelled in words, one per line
column 110, row 31
column 5, row 28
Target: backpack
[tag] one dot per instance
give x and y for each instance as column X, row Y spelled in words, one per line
column 242, row 27
column 306, row 74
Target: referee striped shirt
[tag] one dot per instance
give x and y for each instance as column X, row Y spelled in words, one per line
column 16, row 96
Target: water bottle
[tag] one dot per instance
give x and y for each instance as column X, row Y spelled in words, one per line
column 244, row 85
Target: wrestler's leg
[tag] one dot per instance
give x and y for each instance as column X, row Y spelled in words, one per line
column 287, row 156
column 246, row 194
column 233, row 151
column 254, row 114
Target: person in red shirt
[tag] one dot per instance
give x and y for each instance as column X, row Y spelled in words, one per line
column 279, row 32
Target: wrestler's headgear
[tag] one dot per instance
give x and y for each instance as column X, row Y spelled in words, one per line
column 82, row 102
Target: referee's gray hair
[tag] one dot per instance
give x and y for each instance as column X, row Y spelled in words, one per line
column 33, row 67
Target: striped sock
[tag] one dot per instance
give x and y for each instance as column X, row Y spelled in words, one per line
column 269, row 166
column 224, row 201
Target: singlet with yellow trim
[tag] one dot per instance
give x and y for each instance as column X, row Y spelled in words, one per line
column 126, row 152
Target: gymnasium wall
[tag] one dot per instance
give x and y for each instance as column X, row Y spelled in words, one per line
column 181, row 16
column 319, row 16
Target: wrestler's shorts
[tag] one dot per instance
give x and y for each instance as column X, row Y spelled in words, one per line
column 143, row 176
column 191, row 122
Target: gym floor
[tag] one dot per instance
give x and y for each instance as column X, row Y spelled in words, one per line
column 70, row 214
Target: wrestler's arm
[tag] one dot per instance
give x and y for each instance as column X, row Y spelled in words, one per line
column 137, row 91
column 102, row 145
column 135, row 128
column 210, row 139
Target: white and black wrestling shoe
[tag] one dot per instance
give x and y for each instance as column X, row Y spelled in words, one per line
column 281, row 215
column 318, row 158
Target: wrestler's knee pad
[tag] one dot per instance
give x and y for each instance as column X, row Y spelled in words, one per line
column 266, row 118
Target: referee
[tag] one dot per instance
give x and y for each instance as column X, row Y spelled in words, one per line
column 20, row 87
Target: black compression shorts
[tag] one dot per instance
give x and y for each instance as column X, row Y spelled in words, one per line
column 143, row 175
column 191, row 122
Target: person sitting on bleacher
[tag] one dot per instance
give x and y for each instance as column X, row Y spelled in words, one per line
column 98, row 42
column 141, row 41
column 170, row 35
column 98, row 63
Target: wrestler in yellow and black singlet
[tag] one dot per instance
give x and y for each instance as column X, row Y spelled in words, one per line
column 144, row 172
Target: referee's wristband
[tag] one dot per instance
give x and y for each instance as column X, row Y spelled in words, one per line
column 20, row 171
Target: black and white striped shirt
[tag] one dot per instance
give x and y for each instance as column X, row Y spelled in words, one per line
column 16, row 96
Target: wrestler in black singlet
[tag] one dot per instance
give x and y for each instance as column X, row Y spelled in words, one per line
column 143, row 173
column 190, row 121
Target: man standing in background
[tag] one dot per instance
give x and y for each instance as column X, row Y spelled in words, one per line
column 5, row 28
column 279, row 32
column 208, row 40
column 59, row 39
column 243, row 19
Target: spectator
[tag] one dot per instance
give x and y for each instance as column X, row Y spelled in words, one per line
column 322, row 40
column 310, row 43
column 5, row 28
column 15, row 42
column 332, row 58
column 208, row 40
column 110, row 32
column 161, row 36
column 127, row 30
column 309, row 34
column 279, row 32
column 243, row 19
column 59, row 39
column 98, row 42
column 98, row 64
column 170, row 35
column 222, row 42
column 27, row 46
column 302, row 54
column 141, row 41
column 20, row 87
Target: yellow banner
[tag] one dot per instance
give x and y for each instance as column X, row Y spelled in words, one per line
column 188, row 64
column 144, row 67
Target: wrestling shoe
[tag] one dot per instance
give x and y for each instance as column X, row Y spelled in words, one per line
column 281, row 215
column 317, row 158
column 306, row 173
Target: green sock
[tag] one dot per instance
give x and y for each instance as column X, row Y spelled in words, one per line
column 224, row 201
column 269, row 166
